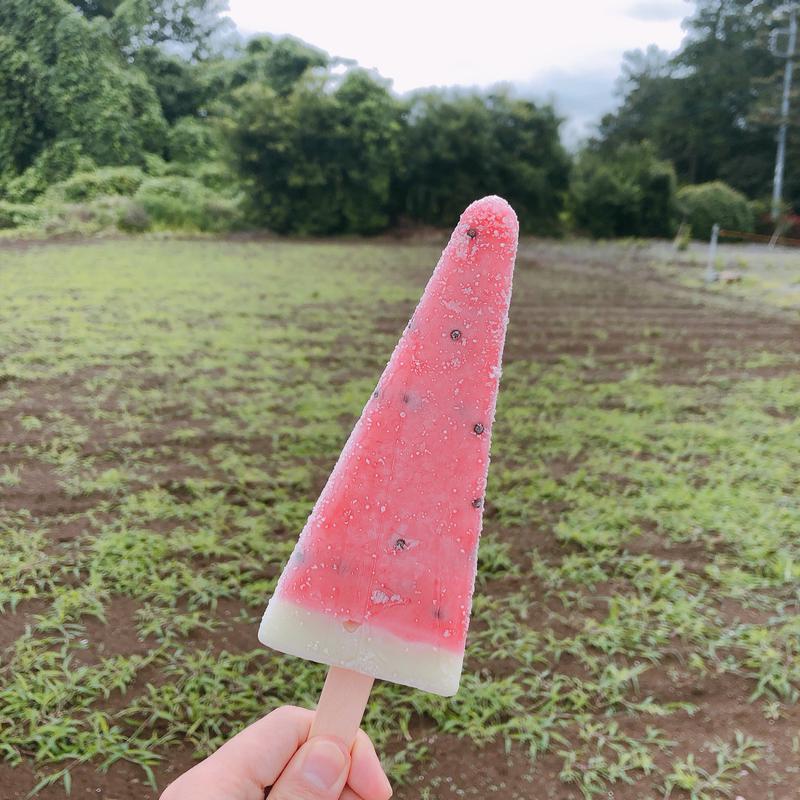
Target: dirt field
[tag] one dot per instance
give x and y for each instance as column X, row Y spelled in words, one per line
column 169, row 411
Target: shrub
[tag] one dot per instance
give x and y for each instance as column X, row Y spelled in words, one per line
column 133, row 218
column 789, row 222
column 154, row 165
column 105, row 181
column 630, row 193
column 18, row 215
column 716, row 202
column 177, row 202
column 82, row 218
column 55, row 163
column 190, row 140
column 217, row 176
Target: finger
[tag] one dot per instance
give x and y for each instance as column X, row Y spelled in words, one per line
column 367, row 777
column 349, row 794
column 318, row 771
column 250, row 761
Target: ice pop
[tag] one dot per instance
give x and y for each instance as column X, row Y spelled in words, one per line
column 381, row 579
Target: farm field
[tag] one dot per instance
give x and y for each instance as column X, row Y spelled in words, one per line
column 169, row 411
column 767, row 276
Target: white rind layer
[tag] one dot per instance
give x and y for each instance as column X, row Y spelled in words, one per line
column 370, row 650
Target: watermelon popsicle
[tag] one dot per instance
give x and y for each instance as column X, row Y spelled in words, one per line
column 382, row 576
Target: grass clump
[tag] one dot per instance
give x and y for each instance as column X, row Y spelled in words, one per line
column 171, row 420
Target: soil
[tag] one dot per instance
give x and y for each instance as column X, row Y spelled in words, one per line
column 562, row 297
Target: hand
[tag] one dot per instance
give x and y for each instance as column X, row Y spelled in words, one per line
column 273, row 752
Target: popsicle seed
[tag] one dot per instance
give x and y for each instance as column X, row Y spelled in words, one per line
column 477, row 502
column 400, row 544
column 472, row 233
column 455, row 334
column 479, row 429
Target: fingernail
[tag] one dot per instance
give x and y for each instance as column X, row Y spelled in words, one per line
column 323, row 764
column 387, row 791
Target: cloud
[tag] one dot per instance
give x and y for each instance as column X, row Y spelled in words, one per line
column 581, row 96
column 658, row 10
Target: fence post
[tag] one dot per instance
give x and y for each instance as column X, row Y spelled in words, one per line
column 711, row 272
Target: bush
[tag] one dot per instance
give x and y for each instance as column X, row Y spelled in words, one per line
column 82, row 218
column 176, row 202
column 631, row 193
column 716, row 202
column 190, row 140
column 55, row 163
column 155, row 165
column 133, row 218
column 100, row 182
column 18, row 215
column 761, row 210
column 217, row 176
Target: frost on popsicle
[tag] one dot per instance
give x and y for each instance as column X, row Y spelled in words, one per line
column 385, row 577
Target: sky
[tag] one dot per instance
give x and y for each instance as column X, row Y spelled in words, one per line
column 565, row 51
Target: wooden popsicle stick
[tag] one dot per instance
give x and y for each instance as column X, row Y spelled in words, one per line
column 341, row 705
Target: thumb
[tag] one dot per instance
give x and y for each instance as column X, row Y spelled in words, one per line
column 318, row 771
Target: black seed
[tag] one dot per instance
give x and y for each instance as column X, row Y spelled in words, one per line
column 479, row 429
column 455, row 334
column 400, row 544
column 477, row 502
column 472, row 233
column 437, row 612
column 376, row 393
column 406, row 398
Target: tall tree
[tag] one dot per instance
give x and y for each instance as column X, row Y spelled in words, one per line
column 63, row 80
column 96, row 8
column 180, row 84
column 707, row 109
column 459, row 146
column 23, row 108
column 319, row 159
column 186, row 26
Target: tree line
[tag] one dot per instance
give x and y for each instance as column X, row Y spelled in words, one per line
column 712, row 109
column 153, row 113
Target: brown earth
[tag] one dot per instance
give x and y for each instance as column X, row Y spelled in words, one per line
column 562, row 297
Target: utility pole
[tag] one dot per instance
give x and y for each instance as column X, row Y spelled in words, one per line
column 780, row 158
column 711, row 267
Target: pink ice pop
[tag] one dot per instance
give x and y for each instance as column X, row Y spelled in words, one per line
column 381, row 579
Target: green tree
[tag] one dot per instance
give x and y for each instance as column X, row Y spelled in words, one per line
column 191, row 141
column 461, row 146
column 192, row 25
column 709, row 108
column 179, row 83
column 96, row 8
column 631, row 193
column 280, row 63
column 23, row 108
column 319, row 159
column 63, row 80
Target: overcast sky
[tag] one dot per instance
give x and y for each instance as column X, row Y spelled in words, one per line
column 566, row 50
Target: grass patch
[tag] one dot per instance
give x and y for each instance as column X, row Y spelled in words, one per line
column 171, row 410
